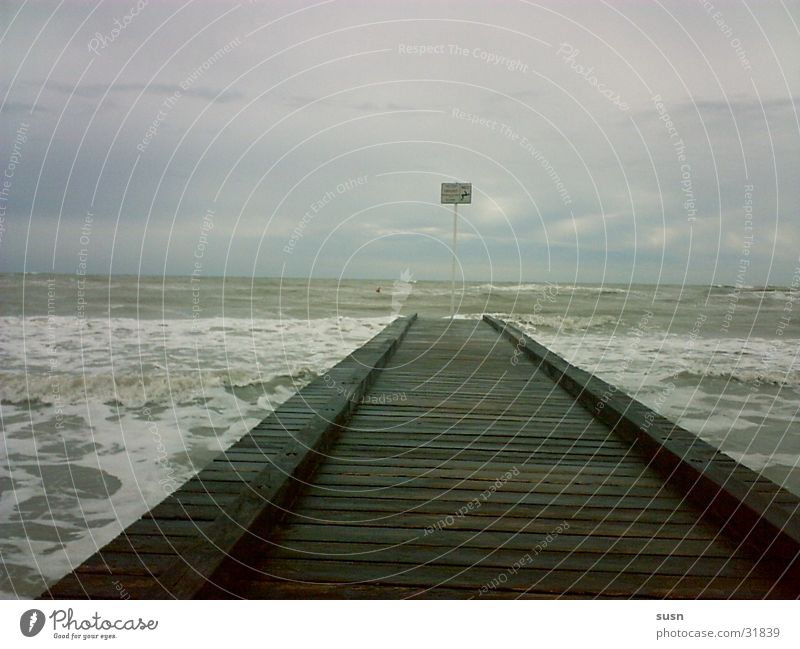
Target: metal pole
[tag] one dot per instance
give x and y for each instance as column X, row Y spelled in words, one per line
column 453, row 269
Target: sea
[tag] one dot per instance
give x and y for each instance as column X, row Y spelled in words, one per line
column 114, row 390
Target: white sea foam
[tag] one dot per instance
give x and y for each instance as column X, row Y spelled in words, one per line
column 103, row 418
column 760, row 461
column 732, row 392
column 509, row 288
column 534, row 324
column 540, row 287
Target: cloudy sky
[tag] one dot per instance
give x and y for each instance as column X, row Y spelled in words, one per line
column 606, row 141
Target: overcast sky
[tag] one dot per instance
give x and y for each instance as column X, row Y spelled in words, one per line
column 210, row 132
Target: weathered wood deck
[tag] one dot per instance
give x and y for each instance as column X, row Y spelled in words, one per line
column 476, row 463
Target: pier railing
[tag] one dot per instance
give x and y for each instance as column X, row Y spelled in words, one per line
column 768, row 522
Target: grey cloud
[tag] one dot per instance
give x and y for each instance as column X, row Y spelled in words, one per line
column 745, row 105
column 96, row 91
column 264, row 168
column 17, row 107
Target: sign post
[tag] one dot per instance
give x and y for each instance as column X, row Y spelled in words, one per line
column 455, row 193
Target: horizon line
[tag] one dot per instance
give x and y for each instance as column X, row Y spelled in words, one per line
column 570, row 282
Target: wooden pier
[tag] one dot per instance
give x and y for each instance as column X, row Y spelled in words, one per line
column 459, row 459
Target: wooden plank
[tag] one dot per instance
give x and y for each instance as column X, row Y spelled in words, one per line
column 147, row 543
column 293, row 590
column 519, row 540
column 168, row 528
column 511, row 446
column 448, row 505
column 578, row 501
column 468, row 467
column 183, row 511
column 349, row 483
column 91, row 586
column 109, row 562
column 412, row 554
column 531, row 474
column 587, row 584
column 543, row 525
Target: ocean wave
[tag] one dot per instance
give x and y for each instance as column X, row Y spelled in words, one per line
column 751, row 376
column 595, row 289
column 38, row 343
column 142, row 404
column 564, row 324
column 761, row 461
column 771, row 294
column 133, row 362
column 134, row 390
column 556, row 323
column 509, row 288
column 552, row 288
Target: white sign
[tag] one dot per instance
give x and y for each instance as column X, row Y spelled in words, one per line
column 456, row 193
